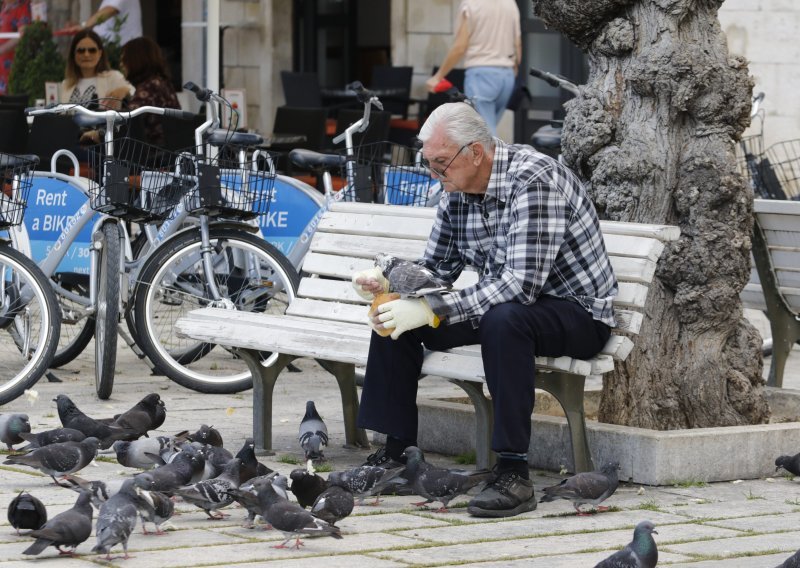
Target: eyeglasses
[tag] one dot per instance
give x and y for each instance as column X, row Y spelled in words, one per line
column 443, row 173
column 89, row 50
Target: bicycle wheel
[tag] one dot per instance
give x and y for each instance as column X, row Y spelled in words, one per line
column 107, row 312
column 77, row 329
column 29, row 324
column 250, row 274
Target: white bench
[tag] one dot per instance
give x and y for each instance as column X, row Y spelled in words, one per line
column 774, row 284
column 327, row 321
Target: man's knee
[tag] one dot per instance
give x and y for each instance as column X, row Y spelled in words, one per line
column 502, row 319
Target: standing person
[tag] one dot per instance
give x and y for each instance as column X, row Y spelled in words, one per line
column 102, row 21
column 14, row 16
column 144, row 66
column 88, row 75
column 546, row 288
column 489, row 38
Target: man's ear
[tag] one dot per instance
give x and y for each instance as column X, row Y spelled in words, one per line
column 477, row 152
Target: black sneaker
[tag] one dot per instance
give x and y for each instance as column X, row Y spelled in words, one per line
column 382, row 459
column 508, row 495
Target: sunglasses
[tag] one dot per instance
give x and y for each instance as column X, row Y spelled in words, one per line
column 89, row 50
column 443, row 173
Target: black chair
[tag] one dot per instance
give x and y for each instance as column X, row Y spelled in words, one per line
column 387, row 77
column 14, row 99
column 50, row 133
column 13, row 131
column 301, row 90
column 377, row 131
column 304, row 127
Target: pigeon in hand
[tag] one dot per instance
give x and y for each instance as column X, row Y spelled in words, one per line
column 408, row 278
column 313, row 433
column 26, row 512
column 206, row 435
column 147, row 414
column 58, row 459
column 306, row 486
column 333, row 504
column 47, row 437
column 250, row 467
column 591, row 487
column 158, row 508
column 117, row 519
column 211, row 494
column 69, row 528
column 72, row 417
column 11, row 426
column 641, row 552
column 789, row 463
column 792, row 562
column 437, row 483
column 365, row 480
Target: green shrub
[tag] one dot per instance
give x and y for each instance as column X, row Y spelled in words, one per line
column 36, row 60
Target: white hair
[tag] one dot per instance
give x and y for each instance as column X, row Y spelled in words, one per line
column 461, row 124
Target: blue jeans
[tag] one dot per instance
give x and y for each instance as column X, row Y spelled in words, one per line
column 489, row 89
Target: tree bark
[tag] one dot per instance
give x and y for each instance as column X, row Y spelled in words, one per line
column 653, row 130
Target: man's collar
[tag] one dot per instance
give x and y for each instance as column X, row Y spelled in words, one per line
column 497, row 187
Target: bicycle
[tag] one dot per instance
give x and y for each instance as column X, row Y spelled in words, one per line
column 29, row 313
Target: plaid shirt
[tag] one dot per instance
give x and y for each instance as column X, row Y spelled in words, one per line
column 533, row 232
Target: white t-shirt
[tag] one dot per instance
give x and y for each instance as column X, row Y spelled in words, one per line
column 131, row 28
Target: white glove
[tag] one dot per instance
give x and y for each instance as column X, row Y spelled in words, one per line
column 369, row 282
column 403, row 315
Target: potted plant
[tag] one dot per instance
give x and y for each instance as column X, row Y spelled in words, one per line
column 36, row 60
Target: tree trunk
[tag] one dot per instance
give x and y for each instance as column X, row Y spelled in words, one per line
column 653, row 129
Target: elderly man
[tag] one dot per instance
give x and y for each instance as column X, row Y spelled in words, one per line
column 546, row 287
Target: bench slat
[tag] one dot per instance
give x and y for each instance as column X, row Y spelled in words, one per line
column 779, row 206
column 375, row 226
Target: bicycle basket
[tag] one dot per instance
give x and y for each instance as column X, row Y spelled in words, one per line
column 137, row 181
column 16, row 184
column 385, row 172
column 228, row 187
column 780, row 170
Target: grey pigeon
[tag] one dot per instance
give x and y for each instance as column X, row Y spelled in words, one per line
column 26, row 512
column 72, row 417
column 58, row 459
column 789, row 463
column 250, row 467
column 117, row 519
column 246, row 496
column 792, row 562
column 11, row 426
column 641, row 552
column 313, row 434
column 307, row 486
column 216, row 457
column 147, row 414
column 333, row 504
column 69, row 528
column 156, row 508
column 437, row 483
column 365, row 480
column 206, row 435
column 144, row 453
column 47, row 437
column 290, row 518
column 406, row 277
column 212, row 494
column 169, row 477
column 592, row 487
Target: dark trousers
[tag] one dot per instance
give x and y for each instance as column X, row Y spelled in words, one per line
column 510, row 335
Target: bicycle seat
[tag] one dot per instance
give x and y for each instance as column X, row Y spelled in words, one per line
column 12, row 161
column 311, row 160
column 222, row 137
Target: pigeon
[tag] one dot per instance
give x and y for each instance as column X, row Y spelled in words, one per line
column 58, row 459
column 313, row 434
column 641, row 552
column 206, row 435
column 156, row 508
column 307, row 486
column 211, row 494
column 792, row 562
column 437, row 483
column 11, row 426
column 216, row 457
column 250, row 467
column 147, row 414
column 365, row 480
column 26, row 512
column 290, row 518
column 117, row 519
column 591, row 487
column 100, row 491
column 408, row 278
column 69, row 528
column 72, row 417
column 333, row 504
column 144, row 453
column 178, row 473
column 789, row 463
column 47, row 437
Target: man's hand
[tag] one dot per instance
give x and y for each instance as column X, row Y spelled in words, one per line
column 403, row 315
column 367, row 283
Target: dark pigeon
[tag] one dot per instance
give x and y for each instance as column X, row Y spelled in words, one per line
column 365, row 480
column 156, row 508
column 212, row 494
column 144, row 453
column 11, row 426
column 47, row 437
column 250, row 467
column 333, row 504
column 313, row 434
column 117, row 519
column 307, row 486
column 58, row 459
column 789, row 463
column 206, row 435
column 72, row 417
column 437, row 483
column 26, row 512
column 178, row 473
column 792, row 562
column 147, row 414
column 592, row 487
column 408, row 278
column 69, row 528
column 641, row 552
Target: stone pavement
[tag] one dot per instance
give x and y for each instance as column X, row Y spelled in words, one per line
column 752, row 523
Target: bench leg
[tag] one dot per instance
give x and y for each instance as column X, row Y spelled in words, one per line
column 568, row 390
column 264, row 379
column 785, row 331
column 346, row 377
column 484, row 422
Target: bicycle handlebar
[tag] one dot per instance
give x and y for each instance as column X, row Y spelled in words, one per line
column 106, row 114
column 554, row 80
column 364, row 95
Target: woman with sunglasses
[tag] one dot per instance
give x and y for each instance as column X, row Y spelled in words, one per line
column 88, row 75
